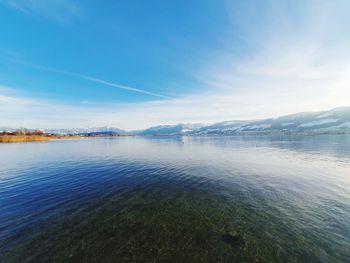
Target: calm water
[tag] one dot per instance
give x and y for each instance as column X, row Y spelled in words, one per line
column 175, row 200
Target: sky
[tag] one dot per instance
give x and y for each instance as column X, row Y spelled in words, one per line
column 136, row 64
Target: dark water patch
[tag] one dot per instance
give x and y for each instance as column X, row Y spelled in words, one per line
column 160, row 221
column 165, row 224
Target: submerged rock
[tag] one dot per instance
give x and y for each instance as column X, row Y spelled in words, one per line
column 231, row 236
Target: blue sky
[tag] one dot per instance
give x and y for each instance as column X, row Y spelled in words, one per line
column 134, row 64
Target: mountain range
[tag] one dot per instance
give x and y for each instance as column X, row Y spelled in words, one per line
column 334, row 121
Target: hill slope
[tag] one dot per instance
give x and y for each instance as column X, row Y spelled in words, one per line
column 333, row 121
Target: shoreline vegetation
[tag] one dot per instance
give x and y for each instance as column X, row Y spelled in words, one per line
column 39, row 136
column 33, row 138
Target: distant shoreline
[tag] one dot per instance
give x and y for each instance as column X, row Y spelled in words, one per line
column 44, row 138
column 48, row 137
column 247, row 134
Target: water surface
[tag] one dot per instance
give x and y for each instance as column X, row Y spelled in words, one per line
column 175, row 199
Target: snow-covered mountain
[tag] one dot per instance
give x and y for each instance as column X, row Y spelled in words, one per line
column 169, row 129
column 333, row 121
column 89, row 130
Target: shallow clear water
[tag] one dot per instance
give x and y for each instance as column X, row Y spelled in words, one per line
column 175, row 199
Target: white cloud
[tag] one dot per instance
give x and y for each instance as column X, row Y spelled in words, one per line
column 18, row 110
column 60, row 10
column 294, row 63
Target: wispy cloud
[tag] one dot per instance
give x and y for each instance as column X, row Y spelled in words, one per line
column 295, row 62
column 59, row 10
column 100, row 81
column 19, row 110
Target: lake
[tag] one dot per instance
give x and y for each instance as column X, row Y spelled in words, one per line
column 176, row 199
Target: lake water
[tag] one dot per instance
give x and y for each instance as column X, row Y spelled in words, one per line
column 175, row 199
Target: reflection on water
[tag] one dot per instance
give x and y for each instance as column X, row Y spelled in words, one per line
column 176, row 199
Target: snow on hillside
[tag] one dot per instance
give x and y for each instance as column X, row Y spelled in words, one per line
column 345, row 125
column 336, row 120
column 324, row 115
column 287, row 124
column 318, row 123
